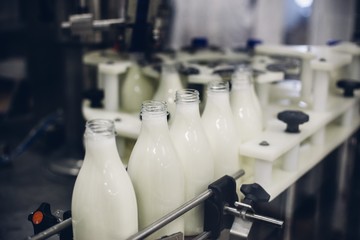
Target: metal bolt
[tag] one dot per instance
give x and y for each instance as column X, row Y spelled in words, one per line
column 117, row 119
column 264, row 143
column 322, row 60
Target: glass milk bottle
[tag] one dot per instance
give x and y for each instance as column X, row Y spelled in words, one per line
column 103, row 202
column 193, row 149
column 245, row 105
column 220, row 129
column 135, row 89
column 170, row 82
column 156, row 171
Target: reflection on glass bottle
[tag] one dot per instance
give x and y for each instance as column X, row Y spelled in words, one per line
column 169, row 83
column 245, row 105
column 220, row 129
column 103, row 202
column 135, row 89
column 156, row 171
column 194, row 151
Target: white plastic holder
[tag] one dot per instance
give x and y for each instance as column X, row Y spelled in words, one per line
column 263, row 82
column 291, row 159
column 303, row 52
column 306, row 77
column 321, row 90
column 355, row 68
column 319, row 137
column 348, row 117
column 263, row 172
column 297, row 156
column 110, row 72
column 354, row 51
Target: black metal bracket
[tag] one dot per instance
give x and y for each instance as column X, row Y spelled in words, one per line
column 224, row 194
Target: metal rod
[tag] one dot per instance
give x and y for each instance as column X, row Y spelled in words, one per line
column 202, row 236
column 238, row 174
column 151, row 228
column 52, row 230
column 108, row 22
column 178, row 212
column 278, row 223
column 172, row 216
column 254, row 216
column 99, row 24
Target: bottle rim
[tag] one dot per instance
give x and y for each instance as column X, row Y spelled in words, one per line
column 100, row 127
column 218, row 86
column 153, row 108
column 242, row 68
column 187, row 96
column 242, row 76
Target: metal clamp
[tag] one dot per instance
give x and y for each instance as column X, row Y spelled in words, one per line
column 246, row 211
column 245, row 214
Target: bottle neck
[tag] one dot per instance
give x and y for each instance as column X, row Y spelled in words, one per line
column 96, row 146
column 243, row 83
column 221, row 96
column 171, row 77
column 187, row 103
column 100, row 139
column 218, row 98
column 190, row 109
column 99, row 129
column 154, row 120
column 154, row 114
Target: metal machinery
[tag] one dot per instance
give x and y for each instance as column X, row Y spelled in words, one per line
column 135, row 26
column 299, row 156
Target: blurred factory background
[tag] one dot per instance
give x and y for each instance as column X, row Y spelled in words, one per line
column 43, row 78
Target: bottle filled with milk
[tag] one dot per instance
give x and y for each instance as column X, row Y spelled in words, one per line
column 103, row 202
column 170, row 82
column 220, row 129
column 193, row 149
column 155, row 170
column 245, row 104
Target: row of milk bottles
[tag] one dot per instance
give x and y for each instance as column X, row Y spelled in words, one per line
column 168, row 165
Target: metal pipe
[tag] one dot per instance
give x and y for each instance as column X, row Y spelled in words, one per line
column 274, row 221
column 151, row 228
column 178, row 212
column 245, row 214
column 99, row 24
column 172, row 216
column 202, row 236
column 52, row 230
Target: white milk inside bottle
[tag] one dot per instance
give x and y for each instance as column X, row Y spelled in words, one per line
column 220, row 129
column 245, row 105
column 246, row 111
column 156, row 171
column 170, row 82
column 194, row 151
column 246, row 71
column 103, row 202
column 135, row 89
